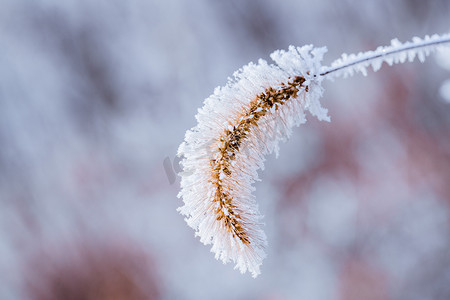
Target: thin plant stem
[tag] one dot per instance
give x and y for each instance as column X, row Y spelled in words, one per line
column 378, row 54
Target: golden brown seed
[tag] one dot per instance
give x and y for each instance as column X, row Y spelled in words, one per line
column 232, row 141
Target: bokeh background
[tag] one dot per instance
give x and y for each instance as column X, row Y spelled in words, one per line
column 95, row 97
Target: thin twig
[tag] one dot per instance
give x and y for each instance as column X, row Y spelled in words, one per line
column 375, row 55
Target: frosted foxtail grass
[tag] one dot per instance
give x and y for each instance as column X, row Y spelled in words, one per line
column 243, row 121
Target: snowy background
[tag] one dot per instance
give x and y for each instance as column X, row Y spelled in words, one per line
column 95, row 97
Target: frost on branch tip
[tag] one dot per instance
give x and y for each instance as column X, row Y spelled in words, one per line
column 237, row 126
column 396, row 53
column 244, row 121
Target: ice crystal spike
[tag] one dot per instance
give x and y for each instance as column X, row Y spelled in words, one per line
column 244, row 121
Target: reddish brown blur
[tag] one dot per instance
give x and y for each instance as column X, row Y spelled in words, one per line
column 92, row 272
column 359, row 280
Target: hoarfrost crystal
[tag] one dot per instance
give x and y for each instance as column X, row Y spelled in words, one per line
column 396, row 53
column 237, row 126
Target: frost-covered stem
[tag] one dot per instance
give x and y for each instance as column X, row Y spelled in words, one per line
column 243, row 121
column 382, row 52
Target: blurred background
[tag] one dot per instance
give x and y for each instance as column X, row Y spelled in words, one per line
column 95, row 97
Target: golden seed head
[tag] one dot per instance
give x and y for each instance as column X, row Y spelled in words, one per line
column 232, row 140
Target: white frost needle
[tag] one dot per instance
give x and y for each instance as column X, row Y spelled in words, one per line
column 242, row 122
